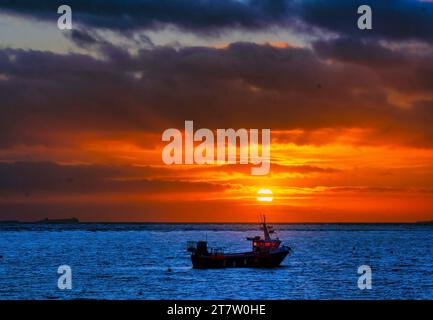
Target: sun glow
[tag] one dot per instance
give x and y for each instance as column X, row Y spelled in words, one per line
column 264, row 195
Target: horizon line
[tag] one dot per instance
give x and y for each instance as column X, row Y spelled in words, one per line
column 59, row 221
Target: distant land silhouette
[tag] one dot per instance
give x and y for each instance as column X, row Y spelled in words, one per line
column 44, row 221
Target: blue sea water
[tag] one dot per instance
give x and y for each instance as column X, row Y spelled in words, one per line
column 131, row 261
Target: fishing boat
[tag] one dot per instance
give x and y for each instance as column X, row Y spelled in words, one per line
column 266, row 253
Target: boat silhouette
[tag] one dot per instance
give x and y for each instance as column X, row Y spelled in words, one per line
column 266, row 253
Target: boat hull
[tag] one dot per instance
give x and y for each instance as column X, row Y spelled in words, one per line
column 241, row 260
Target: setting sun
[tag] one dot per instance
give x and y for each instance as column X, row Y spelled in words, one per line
column 264, row 195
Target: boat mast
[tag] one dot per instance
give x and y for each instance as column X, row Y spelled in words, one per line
column 265, row 229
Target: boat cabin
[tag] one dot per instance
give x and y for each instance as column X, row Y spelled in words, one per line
column 263, row 245
column 266, row 243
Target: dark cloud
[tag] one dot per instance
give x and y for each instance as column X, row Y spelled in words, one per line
column 201, row 16
column 31, row 179
column 363, row 52
column 28, row 179
column 244, row 85
column 275, row 167
column 397, row 20
column 400, row 68
column 84, row 39
column 303, row 169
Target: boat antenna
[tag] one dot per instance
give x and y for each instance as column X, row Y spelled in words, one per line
column 265, row 229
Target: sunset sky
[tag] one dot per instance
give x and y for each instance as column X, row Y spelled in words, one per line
column 82, row 111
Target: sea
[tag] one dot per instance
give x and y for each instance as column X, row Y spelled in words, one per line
column 150, row 261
